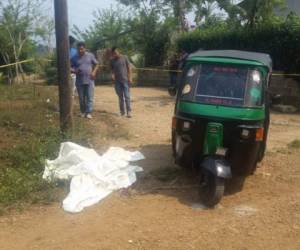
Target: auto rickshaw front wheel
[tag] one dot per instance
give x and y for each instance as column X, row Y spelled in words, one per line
column 211, row 189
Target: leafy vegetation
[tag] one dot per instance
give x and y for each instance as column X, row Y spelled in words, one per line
column 251, row 12
column 29, row 135
column 152, row 28
column 22, row 24
column 279, row 39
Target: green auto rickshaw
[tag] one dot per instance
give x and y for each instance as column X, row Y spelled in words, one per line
column 221, row 119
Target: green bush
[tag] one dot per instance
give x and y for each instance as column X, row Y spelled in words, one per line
column 48, row 70
column 279, row 39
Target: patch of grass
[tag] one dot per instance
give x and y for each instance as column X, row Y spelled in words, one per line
column 15, row 92
column 294, row 144
column 36, row 137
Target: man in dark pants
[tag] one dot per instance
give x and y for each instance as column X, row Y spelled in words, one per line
column 174, row 64
column 85, row 66
column 121, row 74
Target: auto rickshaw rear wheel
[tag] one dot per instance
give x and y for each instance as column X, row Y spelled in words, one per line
column 211, row 189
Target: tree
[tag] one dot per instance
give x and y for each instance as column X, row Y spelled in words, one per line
column 179, row 8
column 151, row 37
column 18, row 26
column 109, row 28
column 206, row 12
column 255, row 11
column 45, row 31
column 251, row 12
column 147, row 30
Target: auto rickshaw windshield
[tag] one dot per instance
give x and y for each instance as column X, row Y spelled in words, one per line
column 223, row 85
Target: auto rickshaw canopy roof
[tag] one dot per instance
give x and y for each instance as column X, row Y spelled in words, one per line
column 262, row 58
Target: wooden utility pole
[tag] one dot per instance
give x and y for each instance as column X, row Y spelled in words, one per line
column 63, row 65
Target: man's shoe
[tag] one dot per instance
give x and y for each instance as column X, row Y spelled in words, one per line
column 82, row 115
column 129, row 115
column 89, row 116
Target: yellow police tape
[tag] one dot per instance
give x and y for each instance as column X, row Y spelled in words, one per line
column 159, row 70
column 274, row 74
column 13, row 64
column 148, row 69
column 140, row 69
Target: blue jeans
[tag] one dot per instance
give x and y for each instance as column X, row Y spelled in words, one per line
column 122, row 90
column 86, row 97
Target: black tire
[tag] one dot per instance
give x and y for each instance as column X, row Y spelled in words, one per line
column 173, row 136
column 211, row 189
column 254, row 168
column 261, row 153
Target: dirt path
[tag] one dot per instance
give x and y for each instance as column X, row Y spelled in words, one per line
column 265, row 215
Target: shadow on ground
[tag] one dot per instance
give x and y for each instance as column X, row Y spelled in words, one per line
column 156, row 100
column 163, row 177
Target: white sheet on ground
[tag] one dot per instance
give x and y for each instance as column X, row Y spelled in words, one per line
column 93, row 177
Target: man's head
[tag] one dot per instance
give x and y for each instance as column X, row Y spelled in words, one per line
column 81, row 48
column 115, row 53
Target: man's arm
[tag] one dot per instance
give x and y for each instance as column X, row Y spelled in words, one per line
column 94, row 72
column 96, row 68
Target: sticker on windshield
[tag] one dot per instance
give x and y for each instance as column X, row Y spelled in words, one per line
column 191, row 72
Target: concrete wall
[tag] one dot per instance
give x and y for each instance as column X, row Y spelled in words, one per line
column 288, row 87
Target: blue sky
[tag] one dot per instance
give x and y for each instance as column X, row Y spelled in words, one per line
column 80, row 11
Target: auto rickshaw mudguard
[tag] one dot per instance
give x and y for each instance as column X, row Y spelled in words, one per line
column 217, row 166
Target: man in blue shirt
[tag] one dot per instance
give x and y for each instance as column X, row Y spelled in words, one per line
column 73, row 52
column 85, row 66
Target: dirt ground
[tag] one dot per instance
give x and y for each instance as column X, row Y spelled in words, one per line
column 162, row 211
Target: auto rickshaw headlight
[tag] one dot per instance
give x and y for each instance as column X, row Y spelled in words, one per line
column 221, row 151
column 186, row 89
column 186, row 125
column 245, row 133
column 219, row 169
